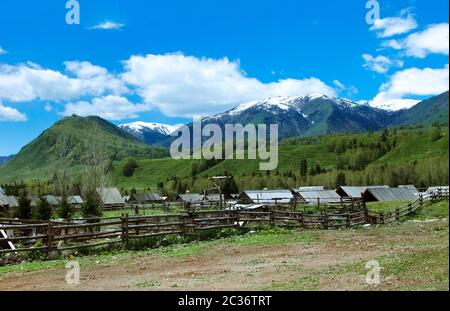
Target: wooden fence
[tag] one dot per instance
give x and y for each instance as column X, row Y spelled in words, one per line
column 49, row 236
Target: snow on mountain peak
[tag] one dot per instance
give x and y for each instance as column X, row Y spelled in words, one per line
column 394, row 104
column 140, row 126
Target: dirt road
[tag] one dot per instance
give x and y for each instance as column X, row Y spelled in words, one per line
column 333, row 261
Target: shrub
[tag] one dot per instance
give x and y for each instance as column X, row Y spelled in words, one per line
column 129, row 167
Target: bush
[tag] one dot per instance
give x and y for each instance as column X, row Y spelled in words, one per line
column 24, row 209
column 44, row 211
column 129, row 167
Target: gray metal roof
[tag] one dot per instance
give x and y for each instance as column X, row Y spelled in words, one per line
column 145, row 197
column 75, row 199
column 110, row 196
column 268, row 196
column 12, row 201
column 9, row 201
column 311, row 188
column 191, row 198
column 52, row 200
column 325, row 196
column 213, row 197
column 3, row 200
column 391, row 194
column 410, row 187
column 356, row 191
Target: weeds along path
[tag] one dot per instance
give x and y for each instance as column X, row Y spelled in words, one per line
column 412, row 256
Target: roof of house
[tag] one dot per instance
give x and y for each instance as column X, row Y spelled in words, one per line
column 75, row 199
column 52, row 200
column 311, row 188
column 213, row 197
column 3, row 200
column 356, row 191
column 12, row 201
column 410, row 187
column 110, row 196
column 191, row 198
column 145, row 197
column 282, row 196
column 391, row 194
column 325, row 196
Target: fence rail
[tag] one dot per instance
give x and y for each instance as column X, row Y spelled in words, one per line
column 49, row 236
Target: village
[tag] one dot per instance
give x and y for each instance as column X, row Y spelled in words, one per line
column 146, row 214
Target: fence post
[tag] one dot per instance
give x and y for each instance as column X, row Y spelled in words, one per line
column 124, row 220
column 50, row 237
column 272, row 217
column 397, row 214
column 349, row 224
column 366, row 211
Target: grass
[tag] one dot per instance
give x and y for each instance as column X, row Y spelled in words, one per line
column 435, row 210
column 385, row 207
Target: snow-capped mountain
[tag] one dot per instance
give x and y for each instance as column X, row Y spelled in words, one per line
column 394, row 104
column 313, row 114
column 149, row 133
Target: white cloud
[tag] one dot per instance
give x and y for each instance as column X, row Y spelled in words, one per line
column 391, row 26
column 2, row 51
column 182, row 85
column 109, row 107
column 412, row 82
column 433, row 40
column 394, row 44
column 11, row 114
column 348, row 90
column 108, row 25
column 338, row 84
column 26, row 82
column 48, row 107
column 380, row 64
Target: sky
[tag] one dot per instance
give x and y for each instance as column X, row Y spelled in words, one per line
column 166, row 61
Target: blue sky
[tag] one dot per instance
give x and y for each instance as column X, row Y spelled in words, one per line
column 168, row 60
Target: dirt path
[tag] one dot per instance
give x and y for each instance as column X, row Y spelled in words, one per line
column 242, row 267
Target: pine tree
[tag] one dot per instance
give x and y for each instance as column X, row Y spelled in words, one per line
column 340, row 179
column 24, row 209
column 44, row 210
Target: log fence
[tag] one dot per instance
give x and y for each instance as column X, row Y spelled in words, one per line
column 60, row 236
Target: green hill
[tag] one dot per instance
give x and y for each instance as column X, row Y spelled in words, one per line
column 37, row 159
column 358, row 155
column 431, row 110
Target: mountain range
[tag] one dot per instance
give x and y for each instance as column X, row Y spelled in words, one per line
column 297, row 116
column 149, row 133
column 310, row 115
